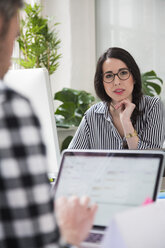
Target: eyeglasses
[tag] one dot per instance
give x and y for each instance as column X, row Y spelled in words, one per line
column 123, row 74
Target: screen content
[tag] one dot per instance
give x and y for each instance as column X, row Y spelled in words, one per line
column 114, row 183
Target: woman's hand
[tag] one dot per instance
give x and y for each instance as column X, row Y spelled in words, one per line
column 75, row 218
column 125, row 109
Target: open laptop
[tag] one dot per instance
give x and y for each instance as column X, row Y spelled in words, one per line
column 115, row 180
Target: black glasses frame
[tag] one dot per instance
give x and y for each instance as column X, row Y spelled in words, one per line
column 117, row 74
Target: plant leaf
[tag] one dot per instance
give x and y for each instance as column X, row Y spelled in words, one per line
column 66, row 142
column 37, row 39
column 66, row 109
column 151, row 83
column 149, row 73
column 66, row 95
column 155, row 87
column 75, row 104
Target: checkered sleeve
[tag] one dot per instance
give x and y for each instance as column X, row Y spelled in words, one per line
column 26, row 209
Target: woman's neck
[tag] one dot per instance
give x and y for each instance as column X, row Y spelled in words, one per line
column 112, row 110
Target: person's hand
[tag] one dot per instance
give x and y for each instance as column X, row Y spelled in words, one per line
column 75, row 218
column 125, row 109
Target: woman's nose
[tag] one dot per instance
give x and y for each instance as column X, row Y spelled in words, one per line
column 116, row 80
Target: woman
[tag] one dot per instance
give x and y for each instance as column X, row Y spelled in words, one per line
column 125, row 118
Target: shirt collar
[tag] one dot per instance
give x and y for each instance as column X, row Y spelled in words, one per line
column 102, row 108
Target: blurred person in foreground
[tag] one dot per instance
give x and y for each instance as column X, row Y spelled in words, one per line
column 27, row 217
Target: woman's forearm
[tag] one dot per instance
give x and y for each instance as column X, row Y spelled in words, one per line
column 130, row 134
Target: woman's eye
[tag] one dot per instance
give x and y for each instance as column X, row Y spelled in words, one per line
column 124, row 72
column 109, row 76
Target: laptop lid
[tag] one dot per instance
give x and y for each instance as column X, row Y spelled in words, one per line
column 115, row 180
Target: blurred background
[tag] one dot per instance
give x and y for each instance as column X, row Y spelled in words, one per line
column 87, row 28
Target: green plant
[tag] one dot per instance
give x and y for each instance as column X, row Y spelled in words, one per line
column 38, row 40
column 74, row 105
column 66, row 142
column 151, row 83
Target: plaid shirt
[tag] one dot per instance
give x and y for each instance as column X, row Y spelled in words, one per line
column 26, row 209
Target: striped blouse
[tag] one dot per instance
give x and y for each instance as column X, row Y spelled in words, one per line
column 97, row 131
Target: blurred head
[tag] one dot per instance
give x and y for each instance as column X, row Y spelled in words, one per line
column 9, row 30
column 124, row 60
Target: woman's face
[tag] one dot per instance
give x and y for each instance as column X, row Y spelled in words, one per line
column 118, row 89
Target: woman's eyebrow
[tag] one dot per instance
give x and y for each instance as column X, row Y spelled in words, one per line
column 123, row 68
column 108, row 72
column 118, row 70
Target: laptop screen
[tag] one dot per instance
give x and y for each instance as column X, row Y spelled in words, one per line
column 116, row 181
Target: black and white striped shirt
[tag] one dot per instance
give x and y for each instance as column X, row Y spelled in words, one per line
column 97, row 131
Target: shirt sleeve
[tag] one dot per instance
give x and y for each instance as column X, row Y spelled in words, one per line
column 81, row 137
column 153, row 134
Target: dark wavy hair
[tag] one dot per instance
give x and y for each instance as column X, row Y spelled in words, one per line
column 126, row 57
column 8, row 9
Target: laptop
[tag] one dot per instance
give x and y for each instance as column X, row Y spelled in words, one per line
column 114, row 179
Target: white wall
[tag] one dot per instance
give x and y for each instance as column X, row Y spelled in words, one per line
column 77, row 34
column 82, row 15
column 60, row 10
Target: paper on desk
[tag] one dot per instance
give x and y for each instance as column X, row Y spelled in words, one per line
column 113, row 237
column 137, row 228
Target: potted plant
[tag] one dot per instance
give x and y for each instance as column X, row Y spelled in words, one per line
column 70, row 113
column 38, row 40
column 151, row 83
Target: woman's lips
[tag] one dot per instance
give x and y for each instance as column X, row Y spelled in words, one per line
column 119, row 91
